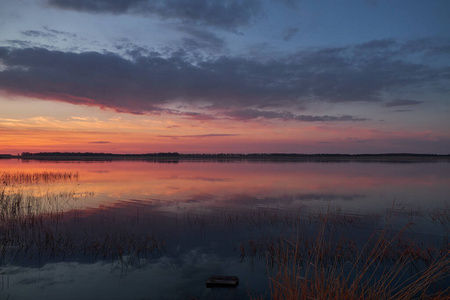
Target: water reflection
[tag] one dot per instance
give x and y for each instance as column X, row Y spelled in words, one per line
column 357, row 186
column 158, row 231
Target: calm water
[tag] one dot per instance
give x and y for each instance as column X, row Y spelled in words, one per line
column 201, row 213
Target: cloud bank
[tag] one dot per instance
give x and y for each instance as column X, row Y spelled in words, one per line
column 402, row 102
column 241, row 88
column 224, row 14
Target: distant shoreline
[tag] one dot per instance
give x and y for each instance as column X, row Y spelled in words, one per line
column 229, row 157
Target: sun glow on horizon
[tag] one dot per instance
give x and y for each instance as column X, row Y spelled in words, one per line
column 51, row 126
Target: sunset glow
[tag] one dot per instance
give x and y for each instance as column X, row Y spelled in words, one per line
column 244, row 77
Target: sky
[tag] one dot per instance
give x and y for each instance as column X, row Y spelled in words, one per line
column 206, row 76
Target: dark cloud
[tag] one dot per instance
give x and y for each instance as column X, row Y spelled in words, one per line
column 195, row 116
column 242, row 88
column 197, row 136
column 248, row 114
column 308, row 118
column 427, row 46
column 289, row 33
column 225, row 14
column 48, row 33
column 60, row 32
column 37, row 33
column 19, row 43
column 401, row 102
column 377, row 44
column 200, row 39
column 99, row 142
column 98, row 6
column 132, row 50
column 402, row 110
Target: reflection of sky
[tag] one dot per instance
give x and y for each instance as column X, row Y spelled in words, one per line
column 193, row 254
column 354, row 186
column 203, row 211
column 197, row 247
column 106, row 280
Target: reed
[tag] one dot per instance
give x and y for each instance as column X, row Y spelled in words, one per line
column 12, row 178
column 39, row 226
column 317, row 261
column 441, row 214
column 386, row 267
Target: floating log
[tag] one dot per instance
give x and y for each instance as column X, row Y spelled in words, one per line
column 222, row 281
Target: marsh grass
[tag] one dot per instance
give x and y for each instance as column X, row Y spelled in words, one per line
column 441, row 215
column 13, row 178
column 37, row 226
column 387, row 266
column 308, row 255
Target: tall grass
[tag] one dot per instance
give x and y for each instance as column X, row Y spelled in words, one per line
column 386, row 267
column 38, row 226
column 11, row 178
column 330, row 265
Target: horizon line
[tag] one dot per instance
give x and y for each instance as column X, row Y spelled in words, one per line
column 55, row 153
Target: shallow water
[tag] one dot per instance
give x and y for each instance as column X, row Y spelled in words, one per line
column 201, row 213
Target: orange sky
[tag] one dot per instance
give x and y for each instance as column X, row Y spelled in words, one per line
column 253, row 76
column 38, row 126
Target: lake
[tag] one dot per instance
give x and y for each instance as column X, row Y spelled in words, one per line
column 155, row 230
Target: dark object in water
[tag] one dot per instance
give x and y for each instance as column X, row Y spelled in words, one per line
column 222, row 281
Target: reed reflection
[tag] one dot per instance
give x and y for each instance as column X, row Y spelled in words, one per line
column 352, row 186
column 212, row 218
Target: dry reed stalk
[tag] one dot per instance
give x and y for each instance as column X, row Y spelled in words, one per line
column 11, row 178
column 319, row 275
column 28, row 229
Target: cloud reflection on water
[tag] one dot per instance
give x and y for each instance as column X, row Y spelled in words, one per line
column 204, row 212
